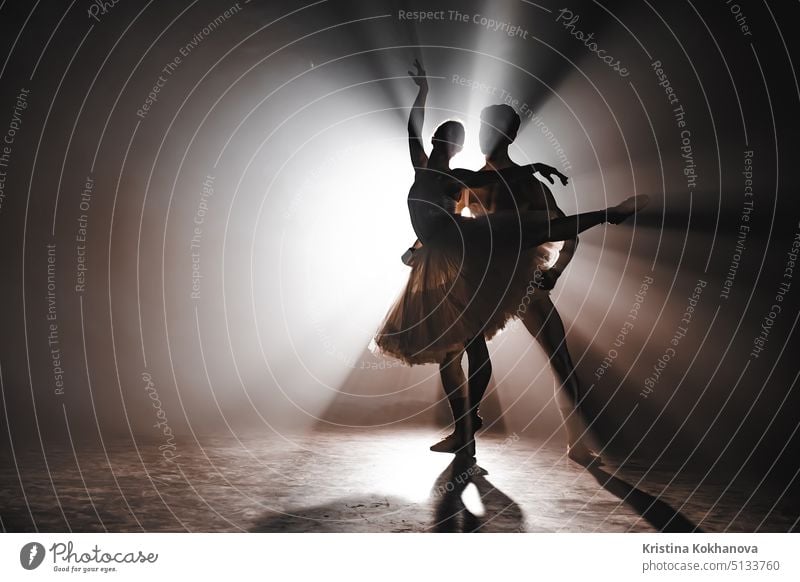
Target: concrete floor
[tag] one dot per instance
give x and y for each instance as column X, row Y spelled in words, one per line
column 366, row 481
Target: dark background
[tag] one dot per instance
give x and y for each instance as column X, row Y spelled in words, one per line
column 305, row 106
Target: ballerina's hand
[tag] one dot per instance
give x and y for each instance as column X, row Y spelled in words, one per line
column 549, row 171
column 419, row 77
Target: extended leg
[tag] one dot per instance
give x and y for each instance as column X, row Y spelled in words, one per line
column 569, row 226
column 530, row 229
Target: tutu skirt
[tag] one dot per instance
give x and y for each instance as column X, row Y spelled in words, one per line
column 462, row 285
column 434, row 314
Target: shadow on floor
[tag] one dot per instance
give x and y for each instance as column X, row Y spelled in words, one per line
column 657, row 513
column 443, row 512
column 500, row 512
column 373, row 514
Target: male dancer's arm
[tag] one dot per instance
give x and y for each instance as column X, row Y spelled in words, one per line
column 470, row 179
column 551, row 275
column 548, row 172
column 516, row 172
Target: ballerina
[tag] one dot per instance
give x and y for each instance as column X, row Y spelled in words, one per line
column 439, row 315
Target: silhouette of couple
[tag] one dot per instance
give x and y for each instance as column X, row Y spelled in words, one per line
column 473, row 270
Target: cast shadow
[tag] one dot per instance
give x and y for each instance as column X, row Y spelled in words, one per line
column 366, row 514
column 501, row 513
column 657, row 513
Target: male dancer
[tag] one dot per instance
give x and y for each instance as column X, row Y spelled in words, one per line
column 463, row 406
column 499, row 127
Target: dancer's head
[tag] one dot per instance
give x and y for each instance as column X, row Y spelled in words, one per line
column 499, row 127
column 448, row 138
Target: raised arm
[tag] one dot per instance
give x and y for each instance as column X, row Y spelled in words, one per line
column 416, row 118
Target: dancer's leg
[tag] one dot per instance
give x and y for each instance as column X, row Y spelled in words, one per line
column 454, row 383
column 455, row 387
column 530, row 229
column 543, row 322
column 567, row 227
column 570, row 226
column 480, row 373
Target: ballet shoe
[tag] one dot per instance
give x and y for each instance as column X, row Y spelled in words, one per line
column 461, row 438
column 584, row 456
column 449, row 444
column 627, row 208
column 455, row 444
column 459, row 442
